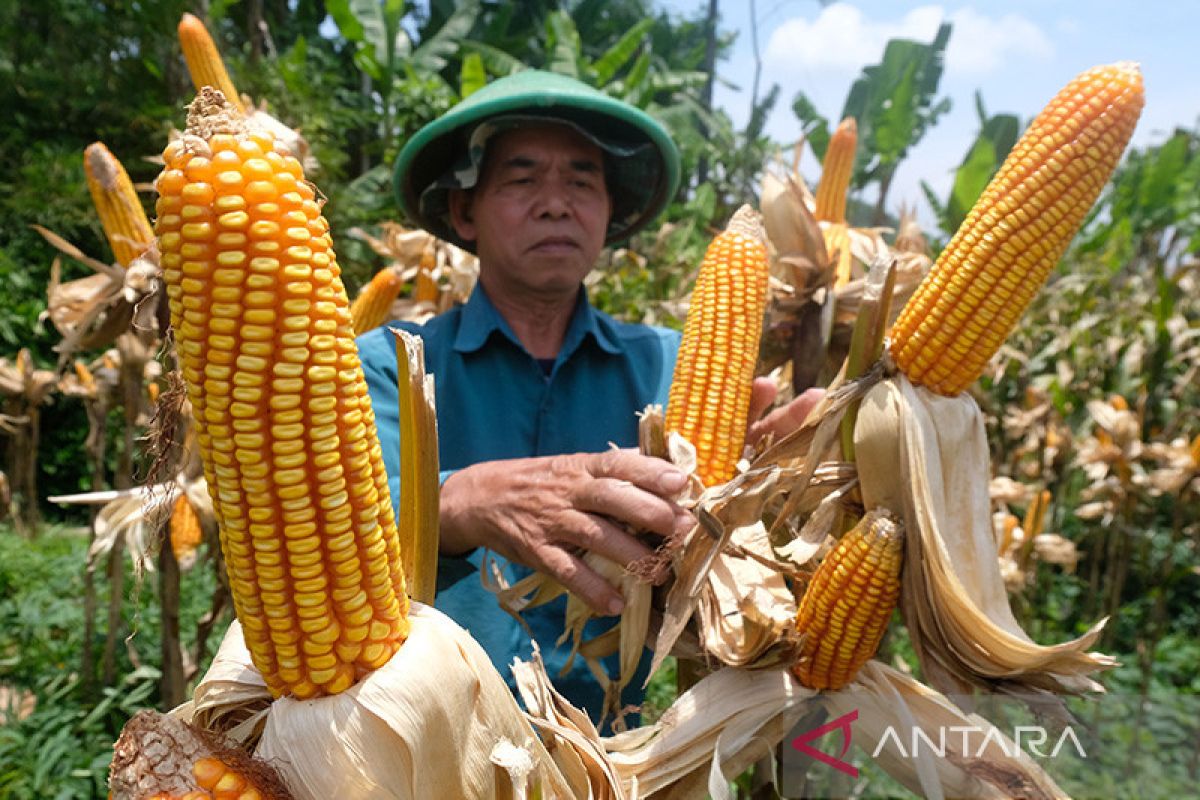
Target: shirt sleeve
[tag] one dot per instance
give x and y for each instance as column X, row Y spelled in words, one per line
column 668, row 341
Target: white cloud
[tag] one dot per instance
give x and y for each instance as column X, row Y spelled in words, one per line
column 841, row 39
column 980, row 44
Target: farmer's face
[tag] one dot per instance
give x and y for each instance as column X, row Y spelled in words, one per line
column 539, row 213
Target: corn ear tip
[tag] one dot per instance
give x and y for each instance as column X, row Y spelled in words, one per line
column 190, row 24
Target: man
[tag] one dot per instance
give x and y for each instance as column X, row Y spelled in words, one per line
column 535, row 174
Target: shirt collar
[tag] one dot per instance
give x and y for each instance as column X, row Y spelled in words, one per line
column 479, row 319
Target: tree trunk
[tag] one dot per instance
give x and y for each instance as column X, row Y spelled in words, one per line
column 885, row 183
column 173, row 685
column 97, row 413
column 116, row 593
column 255, row 27
column 710, row 69
column 32, row 511
column 88, row 656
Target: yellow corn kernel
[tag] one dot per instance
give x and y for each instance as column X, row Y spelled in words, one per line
column 121, row 213
column 186, row 533
column 848, row 603
column 274, row 475
column 710, row 393
column 373, row 305
column 207, row 772
column 836, row 171
column 1017, row 231
column 204, row 60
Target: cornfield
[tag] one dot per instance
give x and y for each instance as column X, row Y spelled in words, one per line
column 997, row 496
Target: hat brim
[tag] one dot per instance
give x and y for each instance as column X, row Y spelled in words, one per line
column 436, row 148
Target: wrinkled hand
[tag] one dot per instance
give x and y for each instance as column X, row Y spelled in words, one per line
column 544, row 512
column 782, row 420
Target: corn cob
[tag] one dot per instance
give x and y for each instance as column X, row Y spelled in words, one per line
column 373, row 305
column 121, row 213
column 204, row 60
column 284, row 425
column 426, row 289
column 1017, row 231
column 185, row 529
column 1035, row 515
column 710, row 392
column 847, row 605
column 836, row 171
column 158, row 757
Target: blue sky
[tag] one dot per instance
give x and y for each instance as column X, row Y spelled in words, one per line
column 1017, row 53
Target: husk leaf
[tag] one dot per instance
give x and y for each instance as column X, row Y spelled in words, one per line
column 432, row 723
column 925, row 456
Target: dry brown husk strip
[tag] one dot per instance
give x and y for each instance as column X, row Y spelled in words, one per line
column 155, row 753
column 570, row 737
column 925, row 457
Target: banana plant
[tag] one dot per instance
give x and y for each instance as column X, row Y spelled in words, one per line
column 386, row 55
column 894, row 103
column 997, row 135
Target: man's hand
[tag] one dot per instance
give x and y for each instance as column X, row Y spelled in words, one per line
column 782, row 420
column 544, row 512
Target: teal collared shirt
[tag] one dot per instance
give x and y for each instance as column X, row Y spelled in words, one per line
column 495, row 401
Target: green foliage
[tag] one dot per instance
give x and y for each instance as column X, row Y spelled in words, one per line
column 997, row 135
column 63, row 747
column 1149, row 215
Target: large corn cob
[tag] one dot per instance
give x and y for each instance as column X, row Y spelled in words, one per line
column 847, row 605
column 204, row 60
column 373, row 305
column 121, row 213
column 285, row 428
column 836, row 171
column 1017, row 231
column 710, row 392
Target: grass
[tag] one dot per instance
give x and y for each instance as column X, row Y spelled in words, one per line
column 60, row 747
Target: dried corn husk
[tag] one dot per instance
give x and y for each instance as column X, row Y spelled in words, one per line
column 420, row 256
column 747, row 607
column 710, row 734
column 436, row 721
column 926, row 457
column 570, row 737
column 885, row 697
column 735, row 716
column 627, row 637
column 417, row 522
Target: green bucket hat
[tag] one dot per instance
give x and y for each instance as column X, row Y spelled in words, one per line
column 641, row 161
